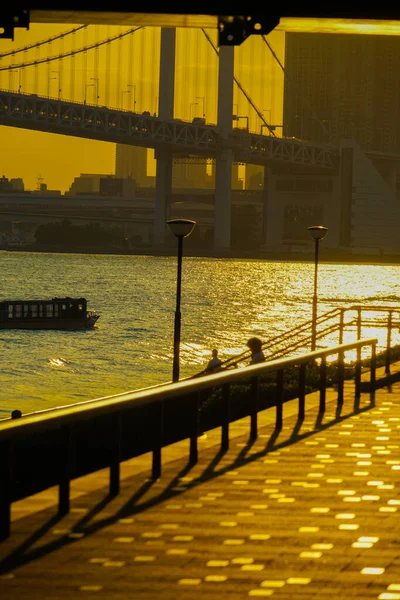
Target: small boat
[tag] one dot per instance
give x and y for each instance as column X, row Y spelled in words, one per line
column 57, row 313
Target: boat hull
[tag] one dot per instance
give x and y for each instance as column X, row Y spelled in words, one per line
column 63, row 324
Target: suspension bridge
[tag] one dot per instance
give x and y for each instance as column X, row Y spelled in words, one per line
column 95, row 70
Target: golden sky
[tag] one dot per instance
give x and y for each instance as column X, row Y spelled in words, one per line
column 124, row 74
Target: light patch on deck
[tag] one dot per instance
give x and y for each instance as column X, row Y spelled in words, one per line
column 372, row 571
column 217, row 563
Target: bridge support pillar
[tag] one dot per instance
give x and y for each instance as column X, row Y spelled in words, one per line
column 346, row 195
column 163, row 191
column 223, row 166
column 273, row 216
column 165, row 111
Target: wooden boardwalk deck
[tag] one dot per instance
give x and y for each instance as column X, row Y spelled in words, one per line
column 308, row 513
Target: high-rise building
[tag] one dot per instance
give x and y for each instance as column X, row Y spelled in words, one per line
column 131, row 163
column 343, row 86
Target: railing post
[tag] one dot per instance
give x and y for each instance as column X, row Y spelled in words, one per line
column 340, row 373
column 226, row 400
column 193, row 448
column 156, row 463
column 359, row 323
column 302, row 390
column 357, row 383
column 341, row 326
column 279, row 398
column 373, row 369
column 65, row 471
column 115, row 456
column 5, row 489
column 255, row 392
column 322, row 385
column 388, row 343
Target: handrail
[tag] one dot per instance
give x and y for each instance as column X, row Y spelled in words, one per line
column 39, row 451
column 305, row 327
column 36, row 422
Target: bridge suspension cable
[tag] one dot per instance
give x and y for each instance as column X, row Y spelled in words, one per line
column 241, row 88
column 49, row 59
column 301, row 96
column 43, row 42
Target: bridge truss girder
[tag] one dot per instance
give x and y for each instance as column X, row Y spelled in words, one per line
column 176, row 136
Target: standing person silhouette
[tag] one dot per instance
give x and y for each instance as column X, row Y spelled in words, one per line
column 257, row 355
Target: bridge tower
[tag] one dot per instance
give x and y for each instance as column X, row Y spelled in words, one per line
column 165, row 111
column 224, row 158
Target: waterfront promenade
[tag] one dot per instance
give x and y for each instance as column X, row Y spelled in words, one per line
column 307, row 512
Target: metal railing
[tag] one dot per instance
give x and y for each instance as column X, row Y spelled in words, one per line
column 336, row 321
column 52, row 447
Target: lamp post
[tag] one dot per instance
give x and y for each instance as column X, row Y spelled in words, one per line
column 203, row 99
column 180, row 228
column 59, row 84
column 190, row 109
column 86, row 87
column 237, row 117
column 317, row 232
column 96, row 79
column 122, row 97
column 133, row 86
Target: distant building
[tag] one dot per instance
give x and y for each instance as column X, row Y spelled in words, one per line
column 43, row 191
column 118, row 187
column 86, row 183
column 343, row 86
column 191, row 173
column 131, row 162
column 11, row 185
column 254, row 177
column 17, row 184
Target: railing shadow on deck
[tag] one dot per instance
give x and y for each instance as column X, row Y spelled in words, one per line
column 25, row 553
column 53, row 447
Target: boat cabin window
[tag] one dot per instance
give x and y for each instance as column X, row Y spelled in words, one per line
column 34, row 310
column 10, row 311
column 18, row 311
column 49, row 310
column 26, row 310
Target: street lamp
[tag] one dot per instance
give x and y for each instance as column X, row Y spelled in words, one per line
column 203, row 99
column 122, row 97
column 180, row 228
column 86, row 87
column 134, row 95
column 59, row 84
column 96, row 79
column 190, row 109
column 237, row 117
column 317, row 232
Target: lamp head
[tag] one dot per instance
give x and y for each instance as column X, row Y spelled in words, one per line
column 317, row 232
column 181, row 227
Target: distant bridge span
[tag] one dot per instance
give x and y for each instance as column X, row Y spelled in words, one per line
column 29, row 111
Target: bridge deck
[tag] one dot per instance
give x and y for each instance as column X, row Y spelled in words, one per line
column 301, row 514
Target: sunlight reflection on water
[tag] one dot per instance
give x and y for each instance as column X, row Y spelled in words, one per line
column 224, row 302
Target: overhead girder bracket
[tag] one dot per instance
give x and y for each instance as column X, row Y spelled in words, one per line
column 12, row 18
column 233, row 30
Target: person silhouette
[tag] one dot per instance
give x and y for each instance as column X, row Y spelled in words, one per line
column 214, row 365
column 255, row 346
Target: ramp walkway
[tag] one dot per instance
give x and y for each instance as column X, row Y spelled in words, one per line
column 309, row 511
